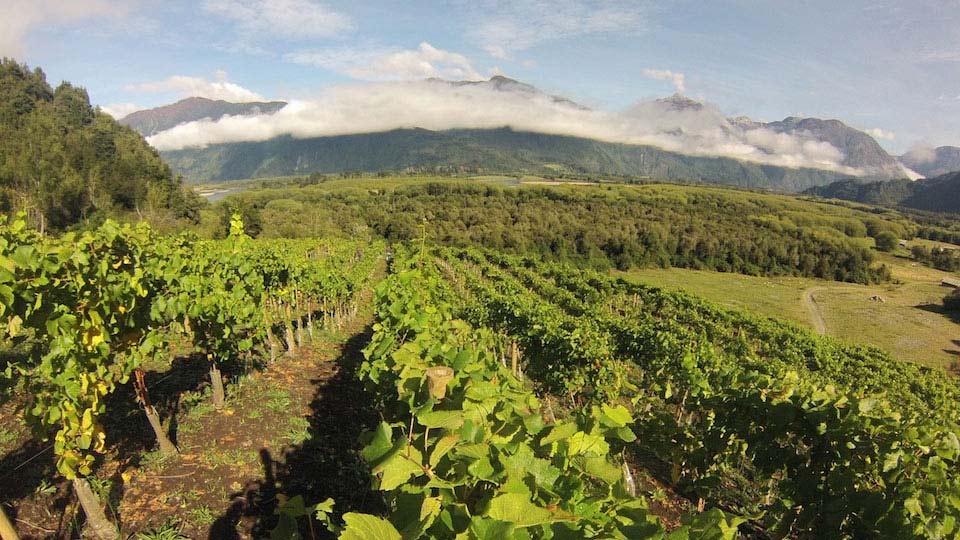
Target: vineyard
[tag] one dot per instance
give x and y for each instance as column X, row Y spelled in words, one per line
column 515, row 398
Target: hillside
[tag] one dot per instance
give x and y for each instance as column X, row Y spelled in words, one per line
column 62, row 161
column 488, row 151
column 934, row 162
column 151, row 121
column 939, row 194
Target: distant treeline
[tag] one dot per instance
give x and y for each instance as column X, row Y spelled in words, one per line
column 607, row 226
column 64, row 162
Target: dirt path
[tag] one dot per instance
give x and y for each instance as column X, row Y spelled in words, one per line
column 816, row 316
column 291, row 429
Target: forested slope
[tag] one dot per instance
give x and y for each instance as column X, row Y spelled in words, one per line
column 477, row 150
column 63, row 161
column 602, row 226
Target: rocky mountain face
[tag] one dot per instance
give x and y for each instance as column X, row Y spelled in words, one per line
column 933, row 161
column 859, row 149
column 152, row 121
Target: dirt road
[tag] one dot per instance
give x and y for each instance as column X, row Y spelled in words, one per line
column 810, row 303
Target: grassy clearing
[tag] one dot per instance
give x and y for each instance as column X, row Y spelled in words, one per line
column 907, row 323
column 772, row 297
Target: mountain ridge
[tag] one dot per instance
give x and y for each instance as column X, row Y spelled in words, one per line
column 938, row 194
column 483, row 151
column 149, row 122
column 860, row 151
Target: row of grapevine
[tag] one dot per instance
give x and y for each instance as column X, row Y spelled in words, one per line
column 764, row 435
column 89, row 308
column 466, row 450
column 759, row 343
column 568, row 354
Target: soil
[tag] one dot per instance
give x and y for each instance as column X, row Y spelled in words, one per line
column 291, row 429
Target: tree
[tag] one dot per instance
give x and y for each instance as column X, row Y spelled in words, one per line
column 886, row 241
column 951, row 302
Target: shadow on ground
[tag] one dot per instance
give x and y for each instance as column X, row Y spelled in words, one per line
column 328, row 464
column 28, row 476
column 940, row 310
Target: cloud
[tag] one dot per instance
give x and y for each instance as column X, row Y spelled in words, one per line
column 119, row 110
column 920, row 153
column 390, row 64
column 186, row 86
column 21, row 16
column 508, row 27
column 881, row 134
column 439, row 105
column 290, row 19
column 676, row 79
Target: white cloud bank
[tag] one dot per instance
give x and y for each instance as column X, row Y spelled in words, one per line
column 390, row 64
column 921, row 153
column 186, row 86
column 437, row 105
column 881, row 134
column 119, row 110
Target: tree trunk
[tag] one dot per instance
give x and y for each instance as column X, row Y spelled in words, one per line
column 217, row 383
column 97, row 520
column 166, row 445
column 272, row 340
column 7, row 532
column 299, row 333
column 291, row 343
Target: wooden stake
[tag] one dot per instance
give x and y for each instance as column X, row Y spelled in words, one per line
column 7, row 532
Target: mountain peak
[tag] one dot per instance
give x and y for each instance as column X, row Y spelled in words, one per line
column 859, row 149
column 680, row 102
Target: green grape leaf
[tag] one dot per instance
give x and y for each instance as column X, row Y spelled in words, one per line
column 367, row 527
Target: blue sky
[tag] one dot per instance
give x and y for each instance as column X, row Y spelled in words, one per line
column 892, row 67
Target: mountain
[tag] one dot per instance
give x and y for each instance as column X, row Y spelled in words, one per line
column 691, row 129
column 679, row 102
column 933, row 162
column 938, row 194
column 859, row 149
column 152, row 121
column 506, row 84
column 480, row 150
column 63, row 161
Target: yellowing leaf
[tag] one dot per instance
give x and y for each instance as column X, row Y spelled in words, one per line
column 92, row 337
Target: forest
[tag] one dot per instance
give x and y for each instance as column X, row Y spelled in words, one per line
column 600, row 227
column 62, row 161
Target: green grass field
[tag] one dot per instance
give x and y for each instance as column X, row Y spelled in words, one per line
column 907, row 323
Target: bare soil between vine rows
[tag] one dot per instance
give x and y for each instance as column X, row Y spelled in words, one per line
column 291, row 429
